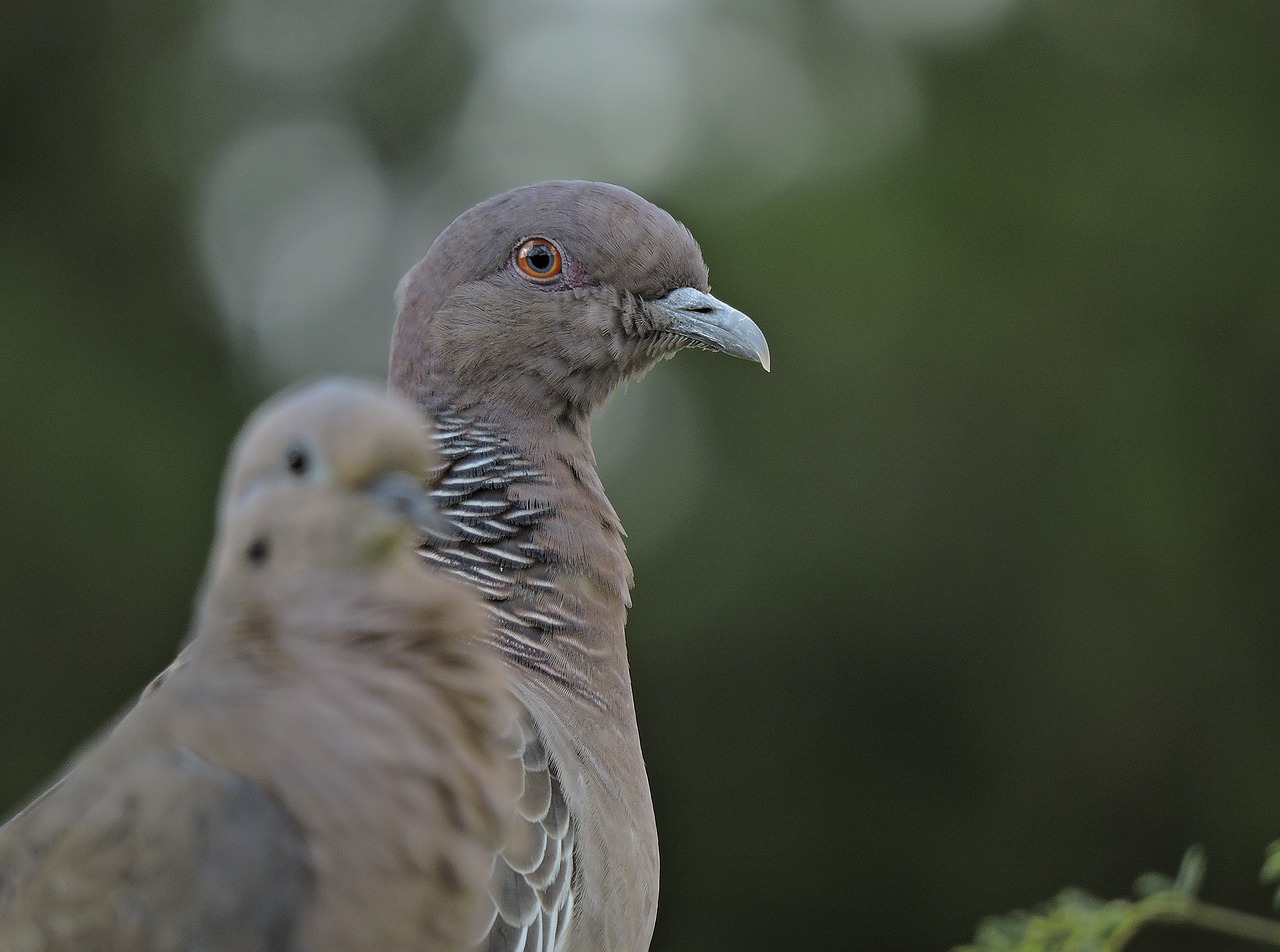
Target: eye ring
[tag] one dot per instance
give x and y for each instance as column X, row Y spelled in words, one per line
column 539, row 259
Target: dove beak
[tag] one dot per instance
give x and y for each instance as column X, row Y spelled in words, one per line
column 707, row 322
column 406, row 496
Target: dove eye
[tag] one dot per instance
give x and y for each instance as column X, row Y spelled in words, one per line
column 298, row 460
column 258, row 552
column 539, row 259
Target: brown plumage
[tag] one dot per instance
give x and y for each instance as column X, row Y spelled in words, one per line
column 320, row 768
column 524, row 316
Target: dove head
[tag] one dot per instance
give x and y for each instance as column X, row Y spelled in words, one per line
column 325, row 483
column 343, row 434
column 545, row 298
column 334, row 473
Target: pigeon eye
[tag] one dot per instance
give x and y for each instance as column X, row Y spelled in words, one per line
column 258, row 552
column 298, row 460
column 539, row 259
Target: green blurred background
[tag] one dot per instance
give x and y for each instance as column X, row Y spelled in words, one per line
column 974, row 597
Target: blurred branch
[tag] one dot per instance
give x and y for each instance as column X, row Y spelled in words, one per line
column 1080, row 922
column 1189, row 911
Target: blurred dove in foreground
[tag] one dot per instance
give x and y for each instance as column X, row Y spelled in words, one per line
column 320, row 769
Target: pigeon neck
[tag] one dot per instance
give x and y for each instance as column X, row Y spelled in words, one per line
column 540, row 541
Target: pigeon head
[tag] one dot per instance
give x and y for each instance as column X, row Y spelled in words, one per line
column 341, row 436
column 547, row 297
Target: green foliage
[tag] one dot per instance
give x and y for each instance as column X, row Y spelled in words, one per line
column 1271, row 869
column 1074, row 920
column 1078, row 922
